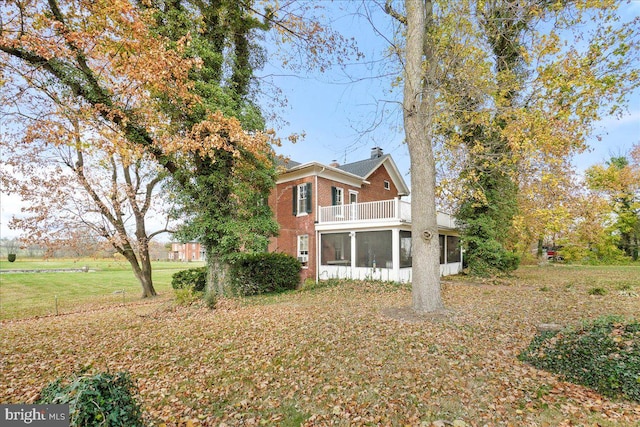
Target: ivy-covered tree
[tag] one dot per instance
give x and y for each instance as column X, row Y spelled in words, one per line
column 222, row 194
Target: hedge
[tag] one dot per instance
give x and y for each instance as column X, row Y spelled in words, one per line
column 258, row 273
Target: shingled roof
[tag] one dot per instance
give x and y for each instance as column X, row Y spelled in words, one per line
column 364, row 168
column 360, row 170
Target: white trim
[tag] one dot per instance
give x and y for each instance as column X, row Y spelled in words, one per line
column 318, row 169
column 299, row 250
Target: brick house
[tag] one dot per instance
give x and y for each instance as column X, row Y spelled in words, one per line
column 186, row 252
column 349, row 221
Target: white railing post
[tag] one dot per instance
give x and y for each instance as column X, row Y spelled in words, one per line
column 396, row 205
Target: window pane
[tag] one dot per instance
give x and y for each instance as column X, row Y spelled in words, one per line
column 374, row 246
column 335, row 249
column 303, row 245
column 302, row 198
column 405, row 249
column 453, row 249
column 303, row 250
column 441, row 248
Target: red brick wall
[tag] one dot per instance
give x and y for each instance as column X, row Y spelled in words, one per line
column 292, row 226
column 375, row 190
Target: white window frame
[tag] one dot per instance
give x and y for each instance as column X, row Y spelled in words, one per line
column 303, row 250
column 302, row 199
column 387, row 185
column 339, row 202
column 353, row 205
column 339, row 196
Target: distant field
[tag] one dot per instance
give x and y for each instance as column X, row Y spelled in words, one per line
column 34, row 294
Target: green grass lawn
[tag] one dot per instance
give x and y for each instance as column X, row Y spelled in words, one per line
column 34, row 294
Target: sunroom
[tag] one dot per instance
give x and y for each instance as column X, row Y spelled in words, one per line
column 373, row 241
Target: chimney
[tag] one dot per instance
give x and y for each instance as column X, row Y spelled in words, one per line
column 334, row 164
column 376, row 152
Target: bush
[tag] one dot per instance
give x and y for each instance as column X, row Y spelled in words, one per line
column 257, row 273
column 194, row 279
column 103, row 399
column 11, row 257
column 603, row 355
column 487, row 257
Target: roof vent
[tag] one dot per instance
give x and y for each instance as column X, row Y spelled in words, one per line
column 334, row 164
column 376, row 152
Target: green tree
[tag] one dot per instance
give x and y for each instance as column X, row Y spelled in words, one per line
column 619, row 181
column 221, row 195
column 509, row 128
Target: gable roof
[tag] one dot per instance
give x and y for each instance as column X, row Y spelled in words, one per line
column 364, row 168
column 361, row 169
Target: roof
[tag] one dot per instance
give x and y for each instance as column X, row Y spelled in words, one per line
column 286, row 163
column 364, row 168
column 361, row 169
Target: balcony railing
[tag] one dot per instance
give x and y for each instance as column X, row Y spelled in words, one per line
column 394, row 209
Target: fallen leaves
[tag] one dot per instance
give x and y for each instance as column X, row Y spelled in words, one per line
column 327, row 357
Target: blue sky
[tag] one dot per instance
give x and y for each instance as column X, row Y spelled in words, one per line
column 334, row 112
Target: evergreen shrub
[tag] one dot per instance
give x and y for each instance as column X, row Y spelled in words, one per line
column 603, row 355
column 102, row 399
column 258, row 273
column 193, row 278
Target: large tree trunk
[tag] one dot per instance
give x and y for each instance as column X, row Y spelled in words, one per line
column 217, row 277
column 418, row 106
column 142, row 270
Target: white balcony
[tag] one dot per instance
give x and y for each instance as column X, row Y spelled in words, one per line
column 394, row 210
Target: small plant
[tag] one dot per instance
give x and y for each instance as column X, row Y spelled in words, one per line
column 603, row 355
column 11, row 257
column 187, row 296
column 102, row 399
column 624, row 287
column 597, row 291
column 210, row 298
column 545, row 288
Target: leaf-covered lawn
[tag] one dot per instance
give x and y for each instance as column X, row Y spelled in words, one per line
column 345, row 355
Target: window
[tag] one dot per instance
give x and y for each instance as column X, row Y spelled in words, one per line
column 441, row 236
column 405, row 249
column 335, row 249
column 337, row 200
column 337, row 196
column 303, row 250
column 374, row 248
column 302, row 199
column 387, row 185
column 453, row 249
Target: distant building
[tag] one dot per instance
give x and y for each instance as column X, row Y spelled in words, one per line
column 186, row 252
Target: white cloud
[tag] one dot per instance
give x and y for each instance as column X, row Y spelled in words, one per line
column 10, row 206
